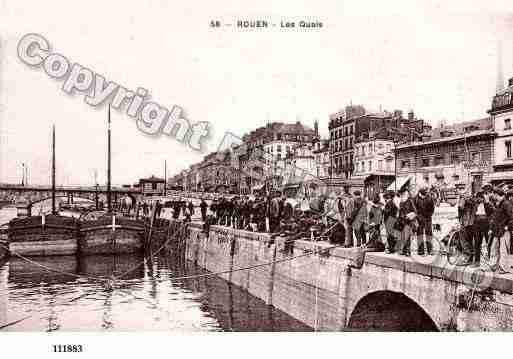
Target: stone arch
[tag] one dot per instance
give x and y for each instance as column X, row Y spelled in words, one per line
column 385, row 310
column 31, row 204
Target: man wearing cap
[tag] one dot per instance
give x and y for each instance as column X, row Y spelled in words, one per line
column 348, row 203
column 359, row 218
column 466, row 216
column 425, row 209
column 203, row 209
column 406, row 221
column 502, row 216
column 484, row 211
column 390, row 217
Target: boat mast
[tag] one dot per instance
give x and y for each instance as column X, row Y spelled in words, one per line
column 109, row 197
column 53, row 170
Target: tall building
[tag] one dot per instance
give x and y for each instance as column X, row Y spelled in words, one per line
column 501, row 113
column 355, row 125
column 344, row 126
column 321, row 153
column 265, row 150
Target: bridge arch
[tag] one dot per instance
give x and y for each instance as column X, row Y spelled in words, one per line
column 385, row 310
column 34, row 203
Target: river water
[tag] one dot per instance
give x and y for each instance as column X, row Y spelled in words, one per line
column 147, row 298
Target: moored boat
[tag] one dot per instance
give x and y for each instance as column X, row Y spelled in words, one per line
column 50, row 235
column 111, row 234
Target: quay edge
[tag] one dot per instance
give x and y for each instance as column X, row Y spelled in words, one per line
column 339, row 289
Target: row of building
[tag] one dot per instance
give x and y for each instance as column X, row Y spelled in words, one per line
column 372, row 151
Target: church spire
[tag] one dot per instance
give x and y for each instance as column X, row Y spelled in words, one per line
column 500, row 74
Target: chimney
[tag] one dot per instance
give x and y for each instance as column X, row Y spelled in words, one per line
column 316, row 127
column 411, row 115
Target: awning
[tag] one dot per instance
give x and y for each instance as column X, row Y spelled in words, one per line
column 399, row 183
column 501, row 176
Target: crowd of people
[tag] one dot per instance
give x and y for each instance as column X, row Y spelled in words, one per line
column 387, row 222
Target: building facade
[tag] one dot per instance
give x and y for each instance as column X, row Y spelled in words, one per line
column 321, row 153
column 374, row 164
column 501, row 113
column 152, row 186
column 448, row 155
column 344, row 126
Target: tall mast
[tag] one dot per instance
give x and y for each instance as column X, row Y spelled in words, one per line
column 53, row 170
column 165, row 177
column 109, row 197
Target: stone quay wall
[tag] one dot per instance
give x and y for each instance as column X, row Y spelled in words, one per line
column 329, row 288
column 309, row 288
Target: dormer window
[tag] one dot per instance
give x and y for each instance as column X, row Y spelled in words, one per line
column 507, row 124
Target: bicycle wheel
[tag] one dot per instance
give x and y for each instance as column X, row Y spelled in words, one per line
column 453, row 249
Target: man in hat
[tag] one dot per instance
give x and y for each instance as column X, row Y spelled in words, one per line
column 390, row 213
column 484, row 211
column 203, row 209
column 425, row 209
column 359, row 218
column 348, row 203
column 466, row 215
column 502, row 216
column 407, row 220
column 375, row 221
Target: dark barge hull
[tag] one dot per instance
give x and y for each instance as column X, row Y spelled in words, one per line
column 98, row 236
column 29, row 237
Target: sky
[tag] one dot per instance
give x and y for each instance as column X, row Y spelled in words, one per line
column 438, row 58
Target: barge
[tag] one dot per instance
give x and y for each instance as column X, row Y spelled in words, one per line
column 51, row 235
column 111, row 234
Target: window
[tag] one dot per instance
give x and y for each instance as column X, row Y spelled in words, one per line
column 347, row 144
column 346, row 131
column 425, row 162
column 508, row 149
column 405, row 164
column 370, row 166
column 380, row 165
column 507, row 124
column 363, row 150
column 455, row 158
column 389, row 148
column 350, row 142
column 439, row 160
column 476, row 156
column 278, row 148
column 154, row 186
column 389, row 165
column 370, row 148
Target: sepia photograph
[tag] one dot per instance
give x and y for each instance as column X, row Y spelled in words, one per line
column 186, row 167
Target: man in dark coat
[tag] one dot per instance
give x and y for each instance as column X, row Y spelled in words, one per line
column 190, row 206
column 466, row 216
column 274, row 214
column 502, row 216
column 406, row 222
column 176, row 209
column 390, row 213
column 359, row 218
column 203, row 209
column 246, row 212
column 425, row 209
